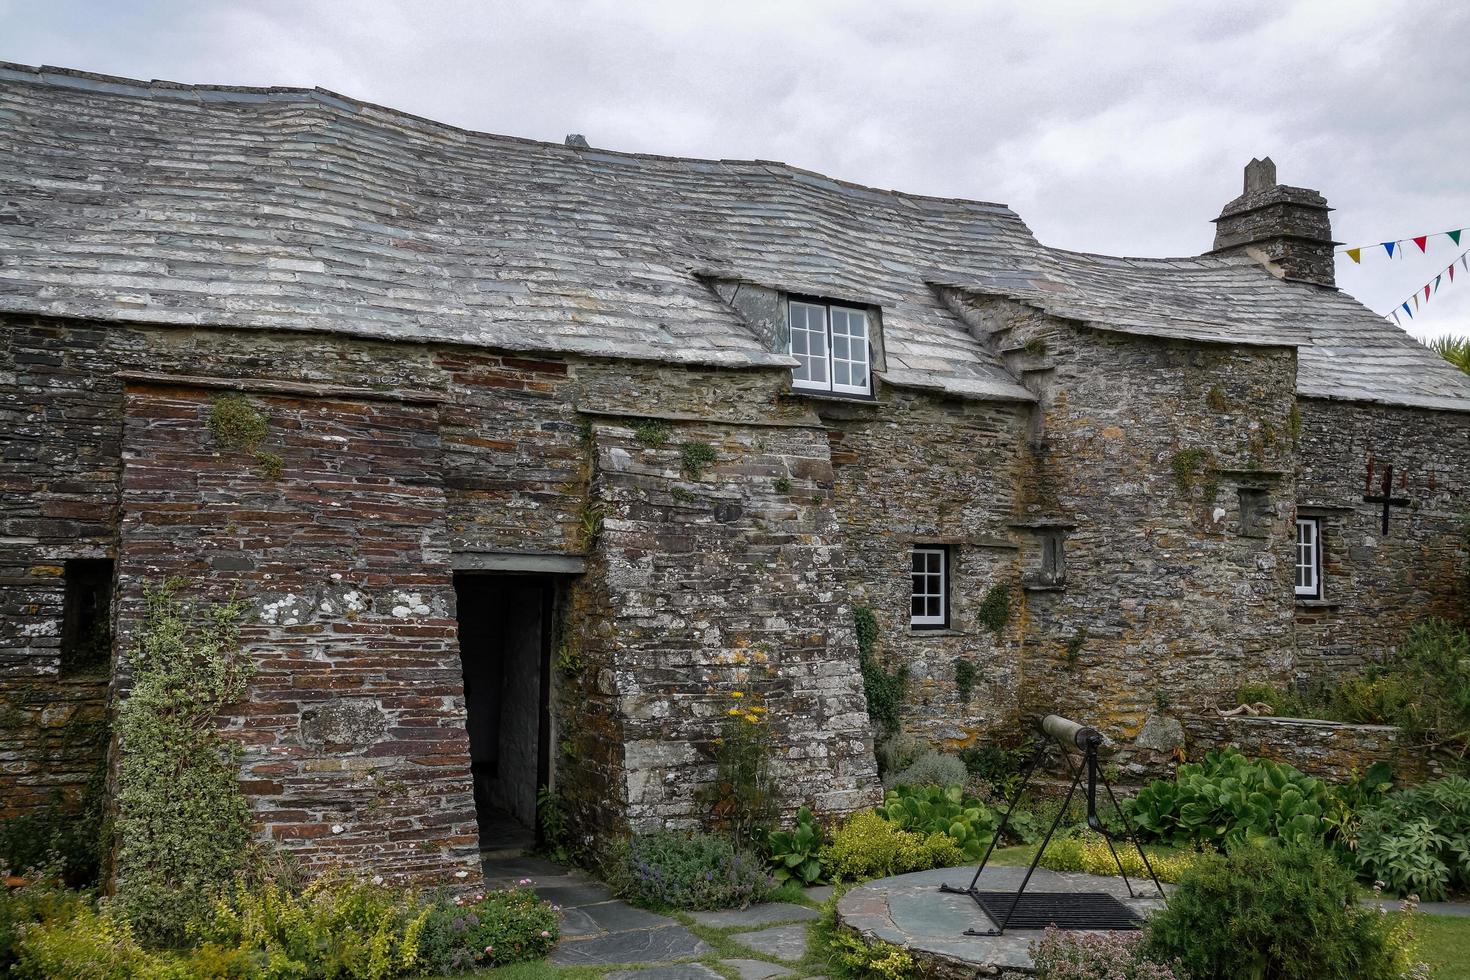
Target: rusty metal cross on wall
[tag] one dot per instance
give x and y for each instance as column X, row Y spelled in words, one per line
column 1385, row 497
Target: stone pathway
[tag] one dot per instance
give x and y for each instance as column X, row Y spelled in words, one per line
column 600, row 930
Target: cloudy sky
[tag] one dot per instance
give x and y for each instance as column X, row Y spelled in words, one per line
column 1115, row 127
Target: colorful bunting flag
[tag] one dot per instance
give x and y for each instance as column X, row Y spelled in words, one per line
column 1424, row 292
column 1397, row 245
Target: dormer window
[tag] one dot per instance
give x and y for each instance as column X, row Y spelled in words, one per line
column 830, row 342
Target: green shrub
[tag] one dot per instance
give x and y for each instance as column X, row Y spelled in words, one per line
column 852, row 957
column 1424, row 689
column 999, row 764
column 30, row 905
column 70, row 843
column 867, row 846
column 1062, row 955
column 929, row 768
column 1228, row 798
column 183, row 825
column 1284, row 912
column 796, row 854
column 688, row 871
column 497, row 928
column 1417, row 841
column 927, row 810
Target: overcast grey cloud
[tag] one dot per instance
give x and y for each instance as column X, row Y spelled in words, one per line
column 1113, row 127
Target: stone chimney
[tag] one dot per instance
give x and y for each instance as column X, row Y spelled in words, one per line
column 1286, row 229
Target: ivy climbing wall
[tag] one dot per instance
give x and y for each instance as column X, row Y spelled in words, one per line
column 326, row 514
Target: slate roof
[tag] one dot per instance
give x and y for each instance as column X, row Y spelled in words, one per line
column 298, row 208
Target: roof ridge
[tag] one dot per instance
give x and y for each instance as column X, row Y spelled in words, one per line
column 71, row 77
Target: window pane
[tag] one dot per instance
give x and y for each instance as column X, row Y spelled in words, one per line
column 841, row 373
column 798, row 341
column 839, row 345
column 934, row 609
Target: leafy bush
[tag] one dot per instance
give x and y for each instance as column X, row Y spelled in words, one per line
column 688, row 871
column 498, row 927
column 69, row 843
column 882, row 688
column 867, row 846
column 1417, row 841
column 1424, row 688
column 744, row 795
column 928, row 768
column 1228, row 798
column 338, row 926
column 944, row 810
column 998, row 764
column 1062, row 955
column 1088, row 853
column 1279, row 911
column 796, row 853
column 183, row 826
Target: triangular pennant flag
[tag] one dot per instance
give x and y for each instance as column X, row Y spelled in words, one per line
column 1462, row 262
column 1408, row 311
column 1421, row 242
column 1451, row 271
column 1395, row 315
column 1436, row 283
column 1389, row 246
column 1426, row 290
column 1454, row 236
column 1356, row 254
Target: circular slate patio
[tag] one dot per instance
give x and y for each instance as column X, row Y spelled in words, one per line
column 910, row 911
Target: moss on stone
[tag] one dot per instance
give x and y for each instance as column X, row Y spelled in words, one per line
column 995, row 608
column 235, row 423
column 1216, row 400
column 964, row 678
column 694, row 457
column 782, row 485
column 1184, row 463
column 651, row 433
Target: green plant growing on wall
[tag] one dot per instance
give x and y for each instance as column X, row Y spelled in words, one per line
column 1036, row 347
column 238, row 425
column 1216, row 400
column 995, row 608
column 883, row 688
column 1294, row 423
column 1072, row 653
column 782, row 485
column 182, row 823
column 569, row 659
column 652, row 433
column 964, row 678
column 694, row 458
column 590, row 523
column 1185, row 463
column 683, row 495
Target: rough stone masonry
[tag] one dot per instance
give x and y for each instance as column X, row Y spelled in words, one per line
column 478, row 357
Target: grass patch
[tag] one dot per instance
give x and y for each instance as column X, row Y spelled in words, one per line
column 1445, row 945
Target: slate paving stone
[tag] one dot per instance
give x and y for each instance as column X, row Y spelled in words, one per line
column 675, row 971
column 818, row 893
column 755, row 915
column 756, row 969
column 522, row 867
column 783, row 942
column 572, row 892
column 634, row 946
column 576, row 922
column 620, row 917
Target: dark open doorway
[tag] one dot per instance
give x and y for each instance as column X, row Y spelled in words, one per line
column 505, row 625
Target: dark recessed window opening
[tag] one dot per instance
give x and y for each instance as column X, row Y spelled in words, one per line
column 929, row 605
column 86, row 625
column 1053, row 558
column 830, row 344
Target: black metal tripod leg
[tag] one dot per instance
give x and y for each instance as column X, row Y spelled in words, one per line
column 1133, row 837
column 1036, row 858
column 1005, row 820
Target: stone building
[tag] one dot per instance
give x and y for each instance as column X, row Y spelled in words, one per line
column 563, row 445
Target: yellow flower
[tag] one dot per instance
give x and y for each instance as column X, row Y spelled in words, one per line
column 752, row 718
column 737, row 694
column 759, row 709
column 733, row 712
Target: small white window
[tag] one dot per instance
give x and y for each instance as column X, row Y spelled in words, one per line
column 930, row 604
column 1309, row 557
column 830, row 344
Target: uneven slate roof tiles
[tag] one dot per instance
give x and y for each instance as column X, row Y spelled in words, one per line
column 292, row 208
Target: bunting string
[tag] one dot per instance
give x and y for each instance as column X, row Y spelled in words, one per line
column 1421, row 295
column 1397, row 247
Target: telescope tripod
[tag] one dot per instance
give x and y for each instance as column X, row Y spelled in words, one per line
column 1066, row 910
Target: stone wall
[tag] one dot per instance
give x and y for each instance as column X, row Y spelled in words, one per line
column 1327, row 749
column 1376, row 586
column 1167, row 469
column 353, row 730
column 59, row 462
column 914, row 469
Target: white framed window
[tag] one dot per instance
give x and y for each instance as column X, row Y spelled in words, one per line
column 1308, row 557
column 930, row 592
column 830, row 344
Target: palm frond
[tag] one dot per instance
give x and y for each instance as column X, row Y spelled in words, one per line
column 1456, row 350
